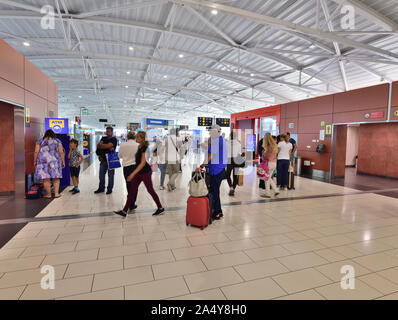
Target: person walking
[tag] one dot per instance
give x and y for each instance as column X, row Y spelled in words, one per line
column 270, row 154
column 127, row 152
column 234, row 153
column 283, row 163
column 49, row 160
column 142, row 173
column 106, row 145
column 173, row 147
column 217, row 157
column 160, row 153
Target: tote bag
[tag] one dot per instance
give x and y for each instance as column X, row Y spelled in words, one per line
column 197, row 186
column 113, row 160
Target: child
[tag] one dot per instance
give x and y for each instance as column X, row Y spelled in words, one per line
column 75, row 160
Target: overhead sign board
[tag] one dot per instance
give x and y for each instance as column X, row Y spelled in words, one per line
column 103, row 120
column 205, row 122
column 132, row 126
column 223, row 122
column 110, row 125
column 59, row 126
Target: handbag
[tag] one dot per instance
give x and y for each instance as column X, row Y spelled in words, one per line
column 262, row 169
column 154, row 164
column 197, row 186
column 113, row 160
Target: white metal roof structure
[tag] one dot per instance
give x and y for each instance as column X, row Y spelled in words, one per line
column 179, row 59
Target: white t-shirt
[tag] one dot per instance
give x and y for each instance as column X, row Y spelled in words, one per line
column 127, row 152
column 284, row 153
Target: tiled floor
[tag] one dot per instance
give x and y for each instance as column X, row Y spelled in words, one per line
column 292, row 249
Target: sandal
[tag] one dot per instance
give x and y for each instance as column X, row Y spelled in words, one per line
column 58, row 196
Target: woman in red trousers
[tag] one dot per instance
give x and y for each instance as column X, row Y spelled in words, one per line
column 143, row 173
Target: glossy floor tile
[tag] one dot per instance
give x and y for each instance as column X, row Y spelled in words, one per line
column 292, row 247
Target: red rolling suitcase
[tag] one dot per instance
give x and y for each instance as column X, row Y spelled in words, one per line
column 198, row 212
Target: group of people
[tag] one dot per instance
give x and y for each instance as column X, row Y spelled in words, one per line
column 278, row 152
column 223, row 159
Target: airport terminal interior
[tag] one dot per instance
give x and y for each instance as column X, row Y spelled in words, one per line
column 172, row 94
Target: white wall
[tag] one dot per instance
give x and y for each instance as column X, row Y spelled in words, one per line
column 352, row 145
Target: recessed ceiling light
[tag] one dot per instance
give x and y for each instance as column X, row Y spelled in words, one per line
column 128, row 72
column 252, row 74
column 80, row 97
column 131, row 48
column 126, row 87
column 26, row 44
column 165, row 76
column 214, row 12
column 181, row 56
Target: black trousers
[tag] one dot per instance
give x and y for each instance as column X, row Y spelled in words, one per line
column 231, row 168
column 126, row 172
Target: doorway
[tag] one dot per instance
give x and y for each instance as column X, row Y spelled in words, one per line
column 12, row 154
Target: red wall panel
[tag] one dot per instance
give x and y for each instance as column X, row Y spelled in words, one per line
column 35, row 80
column 377, row 152
column 11, row 64
column 37, row 106
column 358, row 116
column 340, row 143
column 11, row 92
column 313, row 124
column 306, row 140
column 289, row 121
column 322, row 161
column 7, row 177
column 52, row 91
column 375, row 97
column 394, row 101
column 316, row 106
column 292, row 110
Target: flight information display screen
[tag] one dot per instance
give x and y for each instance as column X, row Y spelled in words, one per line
column 223, row 122
column 205, row 122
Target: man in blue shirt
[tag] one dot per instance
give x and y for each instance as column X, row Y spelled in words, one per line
column 217, row 159
column 294, row 144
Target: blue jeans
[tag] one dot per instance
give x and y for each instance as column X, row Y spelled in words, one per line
column 111, row 175
column 282, row 173
column 163, row 168
column 215, row 183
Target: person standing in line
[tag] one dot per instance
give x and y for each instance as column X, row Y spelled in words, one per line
column 283, row 163
column 260, row 151
column 270, row 153
column 217, row 157
column 75, row 160
column 142, row 173
column 49, row 160
column 234, row 152
column 294, row 144
column 160, row 153
column 127, row 152
column 106, row 145
column 173, row 147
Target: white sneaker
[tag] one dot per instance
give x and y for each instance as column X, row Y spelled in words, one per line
column 161, row 188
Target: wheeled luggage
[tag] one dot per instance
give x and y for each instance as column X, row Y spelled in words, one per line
column 291, row 179
column 198, row 212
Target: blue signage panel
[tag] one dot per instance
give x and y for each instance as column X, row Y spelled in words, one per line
column 59, row 126
column 157, row 122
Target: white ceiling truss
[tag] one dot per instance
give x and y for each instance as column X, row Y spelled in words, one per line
column 126, row 59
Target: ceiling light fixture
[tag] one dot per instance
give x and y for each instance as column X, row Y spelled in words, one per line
column 126, row 87
column 252, row 74
column 128, row 72
column 181, row 56
column 165, row 76
column 131, row 48
column 80, row 97
column 26, row 44
column 214, row 12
